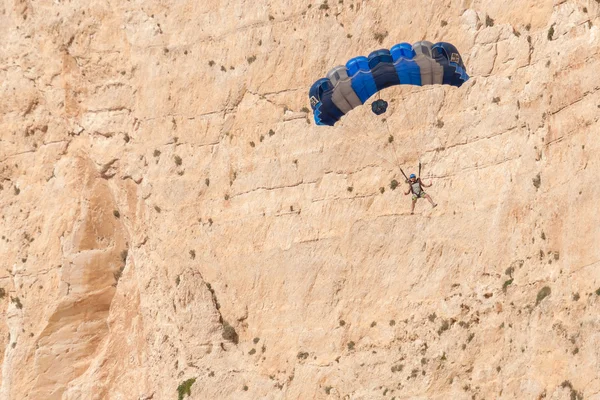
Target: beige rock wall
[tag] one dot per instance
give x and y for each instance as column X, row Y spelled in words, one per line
column 169, row 211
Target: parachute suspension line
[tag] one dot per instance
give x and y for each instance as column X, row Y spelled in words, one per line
column 393, row 147
column 369, row 137
column 365, row 128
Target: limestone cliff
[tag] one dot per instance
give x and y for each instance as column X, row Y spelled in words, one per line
column 170, row 212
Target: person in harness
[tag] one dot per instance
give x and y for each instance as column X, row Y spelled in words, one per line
column 415, row 186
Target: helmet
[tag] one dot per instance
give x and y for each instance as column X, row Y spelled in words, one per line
column 412, row 176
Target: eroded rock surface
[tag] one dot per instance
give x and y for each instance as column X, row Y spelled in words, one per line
column 169, row 211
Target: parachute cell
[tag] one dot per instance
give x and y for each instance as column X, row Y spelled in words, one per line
column 363, row 83
column 349, row 86
column 382, row 69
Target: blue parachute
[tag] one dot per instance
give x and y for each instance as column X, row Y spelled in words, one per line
column 349, row 86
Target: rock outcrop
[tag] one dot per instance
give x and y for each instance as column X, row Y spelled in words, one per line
column 172, row 222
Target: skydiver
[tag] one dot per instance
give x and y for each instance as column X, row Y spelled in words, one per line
column 415, row 186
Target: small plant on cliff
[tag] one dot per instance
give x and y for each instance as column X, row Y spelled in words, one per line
column 229, row 333
column 17, row 302
column 251, row 59
column 537, row 181
column 2, row 293
column 575, row 395
column 393, row 184
column 185, row 388
column 305, row 110
column 489, row 21
column 506, row 284
column 398, row 368
column 444, row 327
column 178, row 160
column 542, row 294
column 551, row 32
column 379, row 36
column 324, row 6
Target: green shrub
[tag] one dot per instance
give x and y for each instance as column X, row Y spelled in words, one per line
column 542, row 294
column 185, row 388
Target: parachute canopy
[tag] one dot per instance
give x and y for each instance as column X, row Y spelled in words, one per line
column 349, row 86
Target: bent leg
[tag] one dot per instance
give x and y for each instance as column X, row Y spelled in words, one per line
column 412, row 208
column 430, row 200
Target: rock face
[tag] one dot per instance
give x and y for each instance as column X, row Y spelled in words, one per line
column 173, row 222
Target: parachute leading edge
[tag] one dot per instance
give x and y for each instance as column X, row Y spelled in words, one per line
column 347, row 87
